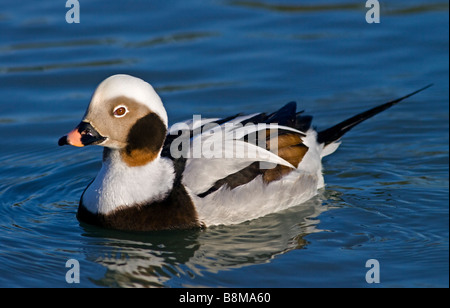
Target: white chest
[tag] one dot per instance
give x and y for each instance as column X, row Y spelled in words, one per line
column 118, row 185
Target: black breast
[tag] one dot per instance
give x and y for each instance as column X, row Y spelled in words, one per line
column 174, row 212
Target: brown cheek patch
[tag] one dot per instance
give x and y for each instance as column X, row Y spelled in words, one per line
column 144, row 141
column 291, row 149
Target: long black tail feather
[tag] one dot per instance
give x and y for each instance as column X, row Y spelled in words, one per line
column 336, row 132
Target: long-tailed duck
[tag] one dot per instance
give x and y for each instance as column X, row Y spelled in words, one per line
column 201, row 172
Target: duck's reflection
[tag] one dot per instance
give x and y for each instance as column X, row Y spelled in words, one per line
column 176, row 258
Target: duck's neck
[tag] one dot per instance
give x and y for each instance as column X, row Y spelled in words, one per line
column 120, row 185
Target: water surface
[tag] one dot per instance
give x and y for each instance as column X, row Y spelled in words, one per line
column 387, row 186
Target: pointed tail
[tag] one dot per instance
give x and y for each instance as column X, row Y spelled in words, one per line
column 336, row 132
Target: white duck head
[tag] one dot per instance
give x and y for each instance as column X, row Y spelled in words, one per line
column 125, row 114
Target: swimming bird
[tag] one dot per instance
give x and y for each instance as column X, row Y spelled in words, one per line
column 201, row 172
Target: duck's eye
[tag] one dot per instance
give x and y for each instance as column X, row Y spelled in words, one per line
column 120, row 111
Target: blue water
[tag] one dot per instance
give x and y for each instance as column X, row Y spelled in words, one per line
column 387, row 186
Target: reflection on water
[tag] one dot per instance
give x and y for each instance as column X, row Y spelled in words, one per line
column 85, row 44
column 154, row 259
column 57, row 44
column 47, row 67
column 294, row 8
column 387, row 8
column 170, row 39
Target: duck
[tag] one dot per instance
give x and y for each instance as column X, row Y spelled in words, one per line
column 201, row 172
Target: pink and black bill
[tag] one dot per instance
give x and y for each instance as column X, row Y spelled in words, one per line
column 84, row 134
